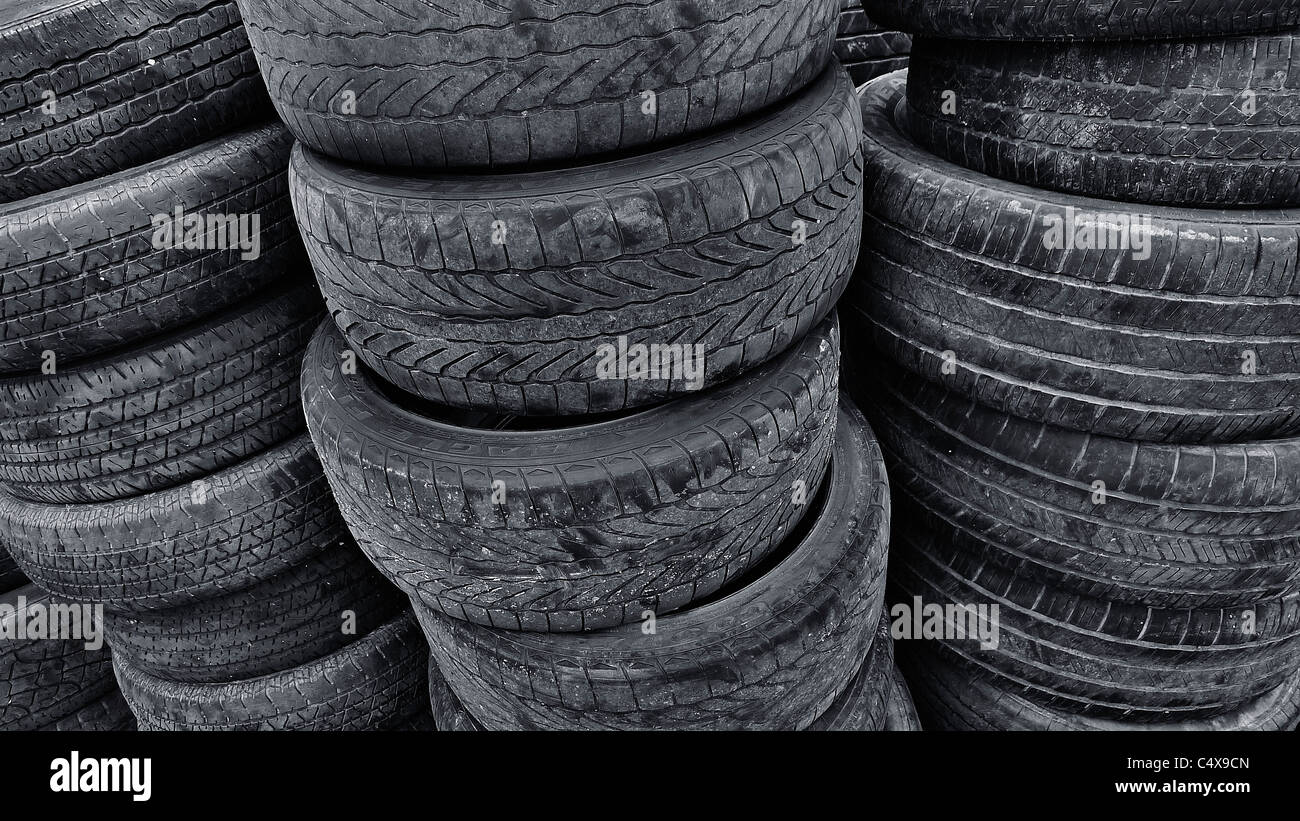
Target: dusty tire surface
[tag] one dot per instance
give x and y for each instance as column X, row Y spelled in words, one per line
column 1193, row 340
column 11, row 578
column 1160, row 525
column 109, row 714
column 79, row 271
column 772, row 653
column 1201, row 123
column 520, row 296
column 1089, row 19
column 448, row 713
column 864, row 704
column 495, row 84
column 584, row 525
column 180, row 545
column 90, row 87
column 168, row 411
column 43, row 682
column 866, row 50
column 900, row 708
column 378, row 682
column 291, row 619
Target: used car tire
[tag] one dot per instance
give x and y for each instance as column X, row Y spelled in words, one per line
column 772, row 653
column 584, row 525
column 79, row 273
column 863, row 705
column 11, row 578
column 167, row 411
column 491, row 84
column 961, row 280
column 109, row 714
column 1207, row 123
column 900, row 709
column 864, row 49
column 508, row 292
column 90, row 87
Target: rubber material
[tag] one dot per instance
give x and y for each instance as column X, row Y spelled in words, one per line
column 900, row 711
column 11, row 578
column 480, row 83
column 864, row 703
column 585, row 525
column 864, row 49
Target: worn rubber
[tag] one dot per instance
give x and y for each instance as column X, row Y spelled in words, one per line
column 954, row 699
column 864, row 49
column 955, row 276
column 11, row 578
column 900, row 710
column 1201, row 123
column 44, row 681
column 864, row 704
column 133, row 80
column 1095, row 657
column 375, row 683
column 1084, row 19
column 483, row 84
column 773, row 653
column 109, row 714
column 185, row 544
column 1173, row 526
column 292, row 618
column 696, row 245
column 592, row 524
column 79, row 275
column 448, row 713
column 165, row 412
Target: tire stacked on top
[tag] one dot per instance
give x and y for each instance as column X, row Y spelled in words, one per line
column 153, row 454
column 501, row 207
column 864, row 48
column 1090, row 400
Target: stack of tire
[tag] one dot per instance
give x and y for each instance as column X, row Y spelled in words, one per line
column 864, row 48
column 1080, row 278
column 500, row 202
column 155, row 303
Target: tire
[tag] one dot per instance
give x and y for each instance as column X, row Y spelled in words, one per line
column 508, row 84
column 1204, row 123
column 108, row 714
column 863, row 705
column 375, row 683
column 691, row 245
column 43, row 681
column 79, row 274
column 596, row 523
column 132, row 81
column 1195, row 343
column 1169, row 526
column 773, row 653
column 900, row 711
column 1095, row 657
column 1089, row 20
column 955, row 700
column 11, row 578
column 448, row 713
column 168, row 411
column 181, row 545
column 864, row 49
column 286, row 621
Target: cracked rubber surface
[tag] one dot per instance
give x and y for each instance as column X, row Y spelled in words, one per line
column 43, row 681
column 132, row 81
column 774, row 653
column 11, row 578
column 109, row 714
column 286, row 621
column 189, row 543
column 1084, row 19
column 378, row 682
column 695, row 245
column 1203, row 123
column 953, row 699
column 1169, row 525
column 165, row 412
column 864, row 704
column 593, row 523
column 900, row 710
column 954, row 275
column 479, row 83
column 79, row 275
column 448, row 713
column 864, row 49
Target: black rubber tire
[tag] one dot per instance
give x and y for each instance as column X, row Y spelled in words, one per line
column 181, row 545
column 955, row 276
column 43, row 681
column 496, row 84
column 1203, row 123
column 11, row 578
column 448, row 713
column 863, row 705
column 1172, row 526
column 109, row 714
column 864, row 49
column 598, row 522
column 773, row 653
column 165, row 412
column 900, row 709
column 1084, row 19
column 133, row 80
column 288, row 620
column 79, row 275
column 378, row 682
column 954, row 699
column 1096, row 657
column 694, row 245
